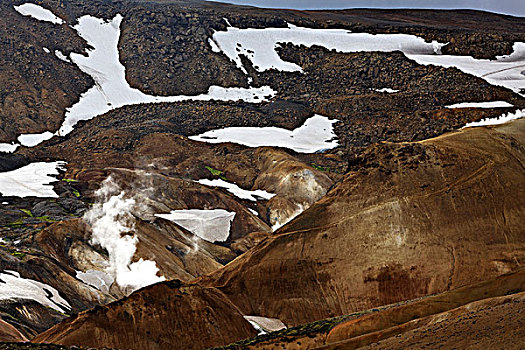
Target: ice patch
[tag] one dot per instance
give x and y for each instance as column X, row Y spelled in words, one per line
column 491, row 104
column 259, row 44
column 315, row 135
column 31, row 180
column 236, row 190
column 38, row 12
column 112, row 220
column 502, row 119
column 211, row 225
column 99, row 279
column 265, row 324
column 13, row 287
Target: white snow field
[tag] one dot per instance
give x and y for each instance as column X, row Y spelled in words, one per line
column 111, row 90
column 13, row 287
column 31, row 180
column 315, row 135
column 38, row 12
column 211, row 225
column 236, row 190
column 259, row 44
column 502, row 119
column 491, row 104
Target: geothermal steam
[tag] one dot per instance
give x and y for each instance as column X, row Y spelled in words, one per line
column 112, row 222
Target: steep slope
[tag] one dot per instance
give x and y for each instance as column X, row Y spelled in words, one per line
column 384, row 235
column 490, row 307
column 413, row 219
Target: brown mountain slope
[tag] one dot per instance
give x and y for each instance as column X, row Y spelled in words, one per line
column 168, row 315
column 428, row 321
column 413, row 219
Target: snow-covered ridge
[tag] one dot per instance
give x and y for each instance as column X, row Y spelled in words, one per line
column 38, row 12
column 491, row 104
column 13, row 287
column 315, row 135
column 236, row 190
column 212, row 225
column 31, row 180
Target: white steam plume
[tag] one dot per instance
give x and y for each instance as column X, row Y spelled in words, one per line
column 112, row 222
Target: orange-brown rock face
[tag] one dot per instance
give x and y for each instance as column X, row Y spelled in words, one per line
column 165, row 316
column 413, row 219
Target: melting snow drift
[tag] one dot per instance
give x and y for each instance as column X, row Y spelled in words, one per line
column 31, row 180
column 211, row 225
column 13, row 287
column 491, row 104
column 315, row 135
column 38, row 12
column 502, row 119
column 237, row 191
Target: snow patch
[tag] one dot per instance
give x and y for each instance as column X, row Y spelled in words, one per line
column 387, row 90
column 46, row 50
column 212, row 225
column 259, row 45
column 38, row 12
column 502, row 119
column 30, row 140
column 236, row 190
column 31, row 180
column 8, row 147
column 13, row 287
column 112, row 221
column 504, row 71
column 61, row 56
column 111, row 89
column 491, row 104
column 315, row 135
